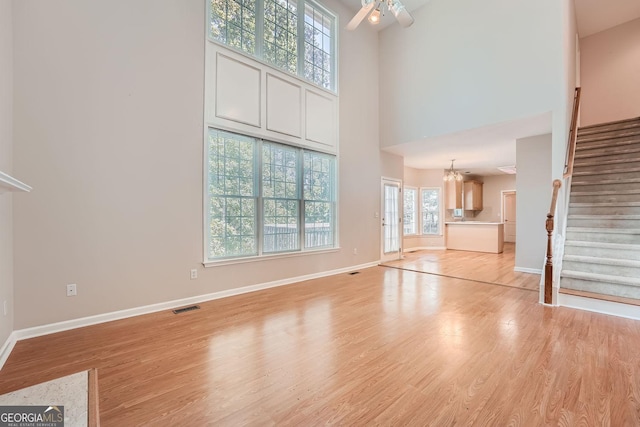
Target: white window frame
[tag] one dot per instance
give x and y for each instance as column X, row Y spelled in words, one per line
column 416, row 211
column 440, row 216
column 259, row 40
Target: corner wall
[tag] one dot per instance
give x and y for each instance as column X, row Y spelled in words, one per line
column 533, row 188
column 610, row 74
column 109, row 132
column 6, row 149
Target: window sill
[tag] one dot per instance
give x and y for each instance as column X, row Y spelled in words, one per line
column 245, row 260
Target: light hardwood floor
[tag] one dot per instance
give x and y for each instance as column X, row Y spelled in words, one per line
column 478, row 266
column 383, row 347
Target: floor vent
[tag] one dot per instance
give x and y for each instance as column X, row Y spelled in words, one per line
column 354, row 272
column 185, row 309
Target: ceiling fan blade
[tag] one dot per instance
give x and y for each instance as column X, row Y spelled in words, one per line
column 362, row 13
column 403, row 17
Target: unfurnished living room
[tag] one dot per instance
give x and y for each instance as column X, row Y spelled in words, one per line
column 312, row 212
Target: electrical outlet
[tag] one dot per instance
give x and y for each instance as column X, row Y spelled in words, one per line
column 355, row 251
column 72, row 290
column 194, row 273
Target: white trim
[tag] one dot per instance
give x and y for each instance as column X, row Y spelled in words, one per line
column 66, row 325
column 422, row 248
column 527, row 270
column 231, row 261
column 9, row 183
column 599, row 306
column 5, row 351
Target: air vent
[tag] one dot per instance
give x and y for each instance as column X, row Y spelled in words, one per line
column 353, row 273
column 185, row 309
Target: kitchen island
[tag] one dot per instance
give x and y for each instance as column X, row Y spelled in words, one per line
column 475, row 236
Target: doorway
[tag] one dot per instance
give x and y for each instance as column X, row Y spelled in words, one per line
column 509, row 215
column 391, row 224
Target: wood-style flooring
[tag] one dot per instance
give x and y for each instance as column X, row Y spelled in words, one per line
column 382, row 347
column 478, row 266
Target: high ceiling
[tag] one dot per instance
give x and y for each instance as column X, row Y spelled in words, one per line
column 482, row 151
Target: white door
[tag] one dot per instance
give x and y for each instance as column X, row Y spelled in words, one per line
column 391, row 231
column 509, row 215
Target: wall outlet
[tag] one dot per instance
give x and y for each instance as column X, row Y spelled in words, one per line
column 72, row 290
column 194, row 273
column 355, row 251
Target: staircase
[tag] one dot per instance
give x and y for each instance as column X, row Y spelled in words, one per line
column 602, row 246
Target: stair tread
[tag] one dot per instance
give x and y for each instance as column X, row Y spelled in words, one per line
column 616, row 122
column 596, row 162
column 623, row 142
column 606, row 278
column 618, row 262
column 603, row 204
column 603, row 245
column 608, row 181
column 599, row 296
column 606, row 192
column 599, row 216
column 604, row 230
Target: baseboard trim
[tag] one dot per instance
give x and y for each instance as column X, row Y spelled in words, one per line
column 66, row 325
column 423, row 248
column 8, row 345
column 527, row 270
column 599, row 306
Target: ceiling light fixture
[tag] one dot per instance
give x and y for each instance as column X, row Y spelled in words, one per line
column 451, row 174
column 374, row 18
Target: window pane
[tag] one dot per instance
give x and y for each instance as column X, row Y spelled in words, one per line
column 280, row 190
column 318, row 35
column 281, row 28
column 232, row 195
column 319, row 199
column 233, row 22
column 410, row 204
column 431, row 211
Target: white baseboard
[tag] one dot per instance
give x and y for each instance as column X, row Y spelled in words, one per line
column 423, row 248
column 5, row 351
column 599, row 306
column 527, row 270
column 37, row 331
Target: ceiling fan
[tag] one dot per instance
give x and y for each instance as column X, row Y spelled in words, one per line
column 373, row 8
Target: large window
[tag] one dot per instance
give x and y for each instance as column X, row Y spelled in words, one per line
column 410, row 211
column 297, row 36
column 266, row 198
column 430, row 210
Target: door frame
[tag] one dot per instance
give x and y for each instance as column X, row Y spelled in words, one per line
column 392, row 255
column 503, row 194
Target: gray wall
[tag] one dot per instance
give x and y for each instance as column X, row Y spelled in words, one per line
column 533, row 186
column 6, row 143
column 109, row 132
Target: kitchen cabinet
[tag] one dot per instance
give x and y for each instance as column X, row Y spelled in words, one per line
column 472, row 196
column 453, row 195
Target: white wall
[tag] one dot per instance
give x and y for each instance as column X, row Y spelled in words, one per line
column 610, row 74
column 425, row 178
column 109, row 132
column 534, row 187
column 6, row 148
column 492, row 196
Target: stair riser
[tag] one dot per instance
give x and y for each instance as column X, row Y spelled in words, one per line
column 586, row 185
column 604, row 237
column 612, row 270
column 606, row 136
column 579, row 175
column 621, row 142
column 605, row 210
column 632, row 165
column 607, row 152
column 605, row 198
column 601, row 288
column 604, row 223
column 602, row 252
column 633, row 123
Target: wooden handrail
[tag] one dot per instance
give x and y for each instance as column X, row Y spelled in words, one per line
column 573, row 135
column 548, row 267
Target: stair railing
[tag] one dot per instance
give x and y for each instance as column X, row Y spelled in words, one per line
column 573, row 135
column 548, row 267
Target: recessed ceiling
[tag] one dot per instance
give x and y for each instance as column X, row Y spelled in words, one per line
column 477, row 151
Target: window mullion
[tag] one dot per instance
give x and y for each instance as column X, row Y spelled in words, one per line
column 301, row 202
column 260, row 29
column 259, row 199
column 301, row 14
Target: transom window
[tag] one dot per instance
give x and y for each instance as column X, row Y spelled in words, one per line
column 266, row 198
column 297, row 36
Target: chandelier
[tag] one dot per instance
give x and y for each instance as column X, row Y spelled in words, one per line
column 451, row 174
